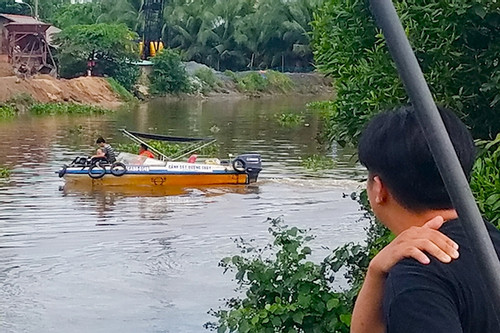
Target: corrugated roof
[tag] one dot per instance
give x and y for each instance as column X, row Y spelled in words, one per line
column 22, row 19
column 50, row 34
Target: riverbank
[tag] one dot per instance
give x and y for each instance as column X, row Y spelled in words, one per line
column 98, row 91
column 46, row 89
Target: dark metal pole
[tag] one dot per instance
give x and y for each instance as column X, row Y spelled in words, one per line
column 440, row 144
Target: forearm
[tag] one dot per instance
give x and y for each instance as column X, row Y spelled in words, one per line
column 367, row 316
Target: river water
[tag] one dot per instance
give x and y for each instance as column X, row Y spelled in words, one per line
column 95, row 260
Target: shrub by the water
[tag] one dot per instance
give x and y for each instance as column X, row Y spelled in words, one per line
column 252, row 82
column 168, row 74
column 208, row 79
column 284, row 291
column 485, row 182
column 456, row 43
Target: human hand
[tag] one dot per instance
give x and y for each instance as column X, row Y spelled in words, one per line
column 412, row 243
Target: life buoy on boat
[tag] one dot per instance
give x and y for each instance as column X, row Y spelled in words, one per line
column 62, row 172
column 118, row 169
column 96, row 174
column 239, row 165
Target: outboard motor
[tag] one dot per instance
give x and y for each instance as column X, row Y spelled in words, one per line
column 249, row 163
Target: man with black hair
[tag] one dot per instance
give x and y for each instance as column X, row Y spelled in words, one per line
column 419, row 283
column 105, row 150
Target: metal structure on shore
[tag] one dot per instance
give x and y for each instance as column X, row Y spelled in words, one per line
column 153, row 25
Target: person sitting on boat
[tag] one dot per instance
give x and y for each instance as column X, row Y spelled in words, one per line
column 105, row 150
column 144, row 151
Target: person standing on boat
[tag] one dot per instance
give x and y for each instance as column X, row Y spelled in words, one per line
column 419, row 283
column 144, row 151
column 105, row 150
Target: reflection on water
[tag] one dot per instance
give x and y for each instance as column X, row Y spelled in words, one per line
column 90, row 259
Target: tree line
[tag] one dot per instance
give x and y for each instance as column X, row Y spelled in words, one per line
column 235, row 35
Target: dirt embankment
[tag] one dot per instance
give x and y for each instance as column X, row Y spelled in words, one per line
column 44, row 88
column 97, row 91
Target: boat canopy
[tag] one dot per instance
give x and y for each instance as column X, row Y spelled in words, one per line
column 159, row 137
column 194, row 144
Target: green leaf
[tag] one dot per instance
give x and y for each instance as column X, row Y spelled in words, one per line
column 346, row 318
column 298, row 317
column 332, row 303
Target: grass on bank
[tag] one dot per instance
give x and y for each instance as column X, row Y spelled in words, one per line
column 66, row 108
column 25, row 102
column 120, row 90
column 262, row 81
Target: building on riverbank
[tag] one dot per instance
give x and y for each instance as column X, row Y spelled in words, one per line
column 27, row 43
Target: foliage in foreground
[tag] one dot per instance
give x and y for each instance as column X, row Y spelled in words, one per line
column 284, row 286
column 456, row 42
column 284, row 292
column 65, row 108
column 485, row 182
column 168, row 74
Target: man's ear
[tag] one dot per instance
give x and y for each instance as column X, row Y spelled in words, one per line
column 379, row 190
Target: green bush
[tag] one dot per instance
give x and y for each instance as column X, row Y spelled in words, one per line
column 126, row 74
column 252, row 82
column 456, row 42
column 66, row 108
column 285, row 292
column 168, row 75
column 232, row 75
column 485, row 182
column 207, row 77
column 279, row 81
column 112, row 46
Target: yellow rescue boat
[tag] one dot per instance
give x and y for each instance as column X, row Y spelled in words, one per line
column 136, row 170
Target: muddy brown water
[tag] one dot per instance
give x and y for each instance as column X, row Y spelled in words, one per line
column 97, row 260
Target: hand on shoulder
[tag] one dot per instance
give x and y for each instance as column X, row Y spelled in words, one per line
column 413, row 243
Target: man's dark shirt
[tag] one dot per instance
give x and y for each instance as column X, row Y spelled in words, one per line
column 439, row 297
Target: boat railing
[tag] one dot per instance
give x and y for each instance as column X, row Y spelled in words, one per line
column 198, row 143
column 161, row 156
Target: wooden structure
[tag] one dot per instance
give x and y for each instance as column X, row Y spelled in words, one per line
column 24, row 40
